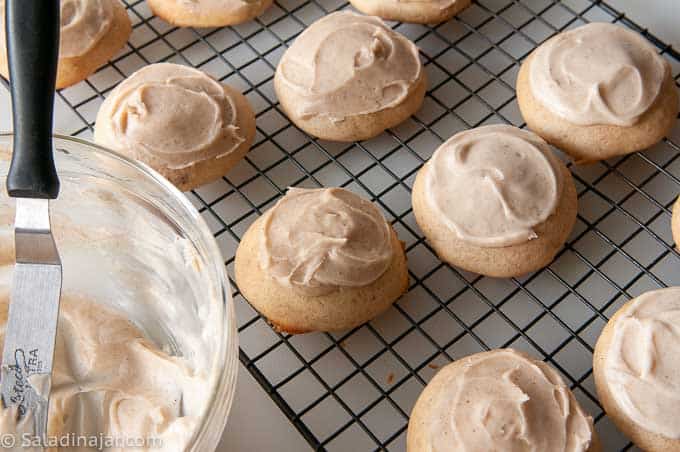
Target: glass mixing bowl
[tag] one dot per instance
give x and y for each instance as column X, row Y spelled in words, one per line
column 130, row 240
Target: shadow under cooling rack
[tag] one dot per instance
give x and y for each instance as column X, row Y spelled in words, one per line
column 354, row 391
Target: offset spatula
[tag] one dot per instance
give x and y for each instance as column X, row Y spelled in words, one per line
column 33, row 43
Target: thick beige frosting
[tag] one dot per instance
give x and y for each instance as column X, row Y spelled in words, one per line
column 19, row 430
column 492, row 185
column 505, row 401
column 83, row 24
column 108, row 379
column 642, row 367
column 171, row 113
column 317, row 241
column 346, row 64
column 597, row 74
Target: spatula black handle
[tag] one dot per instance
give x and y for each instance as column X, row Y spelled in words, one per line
column 32, row 28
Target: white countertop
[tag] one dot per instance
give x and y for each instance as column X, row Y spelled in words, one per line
column 256, row 423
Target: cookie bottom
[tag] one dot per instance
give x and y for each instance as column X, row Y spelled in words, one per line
column 353, row 128
column 417, row 13
column 182, row 14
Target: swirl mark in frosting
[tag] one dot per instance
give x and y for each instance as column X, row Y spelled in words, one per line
column 504, row 400
column 492, row 185
column 347, row 64
column 642, row 367
column 320, row 240
column 174, row 113
column 597, row 74
column 83, row 24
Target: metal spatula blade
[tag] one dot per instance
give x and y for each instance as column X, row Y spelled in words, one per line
column 32, row 29
column 33, row 313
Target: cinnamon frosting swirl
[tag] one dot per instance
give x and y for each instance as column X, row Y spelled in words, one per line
column 170, row 115
column 642, row 367
column 346, row 64
column 492, row 185
column 598, row 74
column 317, row 241
column 500, row 400
column 83, row 24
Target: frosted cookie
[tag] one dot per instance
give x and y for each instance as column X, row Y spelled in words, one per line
column 597, row 91
column 349, row 77
column 502, row 400
column 496, row 201
column 675, row 224
column 208, row 13
column 321, row 260
column 413, row 11
column 92, row 32
column 636, row 365
column 178, row 120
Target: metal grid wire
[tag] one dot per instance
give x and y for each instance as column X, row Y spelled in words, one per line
column 354, row 391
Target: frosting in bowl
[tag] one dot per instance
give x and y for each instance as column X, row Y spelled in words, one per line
column 109, row 381
column 597, row 74
column 170, row 113
column 346, row 64
column 642, row 367
column 317, row 241
column 492, row 185
column 505, row 401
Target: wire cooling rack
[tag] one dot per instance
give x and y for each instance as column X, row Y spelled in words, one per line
column 355, row 390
